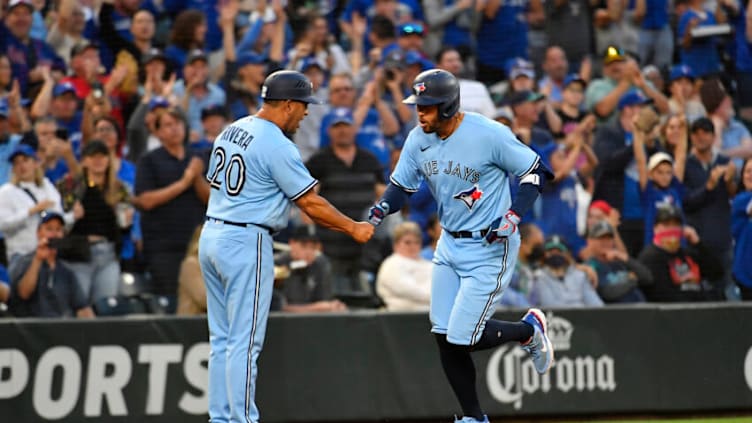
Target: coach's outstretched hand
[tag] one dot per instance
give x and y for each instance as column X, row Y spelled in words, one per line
column 362, row 231
column 502, row 227
column 377, row 213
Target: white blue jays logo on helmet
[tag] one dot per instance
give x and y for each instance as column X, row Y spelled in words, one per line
column 419, row 88
column 469, row 196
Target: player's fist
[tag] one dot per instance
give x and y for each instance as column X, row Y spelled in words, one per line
column 377, row 213
column 362, row 231
column 502, row 227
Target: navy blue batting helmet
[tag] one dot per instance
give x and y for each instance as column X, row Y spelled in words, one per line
column 289, row 85
column 436, row 87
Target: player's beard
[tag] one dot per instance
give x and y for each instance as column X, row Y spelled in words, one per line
column 429, row 128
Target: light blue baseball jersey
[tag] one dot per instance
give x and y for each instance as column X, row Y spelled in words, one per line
column 467, row 172
column 255, row 172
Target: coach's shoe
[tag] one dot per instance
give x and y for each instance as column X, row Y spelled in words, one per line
column 467, row 419
column 539, row 346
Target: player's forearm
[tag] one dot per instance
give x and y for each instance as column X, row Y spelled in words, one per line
column 324, row 214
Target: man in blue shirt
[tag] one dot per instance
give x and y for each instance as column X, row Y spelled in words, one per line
column 196, row 91
column 26, row 54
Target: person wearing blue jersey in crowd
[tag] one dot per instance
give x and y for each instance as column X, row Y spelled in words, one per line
column 255, row 175
column 741, row 227
column 27, row 55
column 699, row 53
column 743, row 59
column 503, row 35
column 656, row 41
column 466, row 158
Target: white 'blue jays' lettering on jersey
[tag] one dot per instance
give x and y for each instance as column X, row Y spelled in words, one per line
column 255, row 172
column 467, row 172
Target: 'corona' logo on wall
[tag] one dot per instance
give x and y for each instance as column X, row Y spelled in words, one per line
column 510, row 374
column 748, row 368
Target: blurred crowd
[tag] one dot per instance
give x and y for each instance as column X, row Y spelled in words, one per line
column 109, row 108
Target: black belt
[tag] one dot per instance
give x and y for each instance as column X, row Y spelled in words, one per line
column 242, row 225
column 467, row 234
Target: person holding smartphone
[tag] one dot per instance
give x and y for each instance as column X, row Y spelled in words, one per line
column 54, row 149
column 42, row 286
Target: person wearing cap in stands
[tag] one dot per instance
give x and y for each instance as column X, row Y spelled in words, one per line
column 680, row 274
column 61, row 102
column 27, row 55
column 620, row 76
column 526, row 106
column 23, row 200
column 350, row 178
column 619, row 276
column 710, row 181
column 41, row 285
column 196, row 91
column 141, row 131
column 616, row 177
column 107, row 215
column 598, row 211
column 410, row 36
column 474, row 96
column 559, row 283
column 684, row 99
column 303, row 280
column 521, row 75
column 570, row 108
column 660, row 177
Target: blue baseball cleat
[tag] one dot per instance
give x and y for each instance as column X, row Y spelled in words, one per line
column 539, row 346
column 467, row 419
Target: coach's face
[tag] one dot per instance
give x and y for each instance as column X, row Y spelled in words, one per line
column 428, row 118
column 295, row 111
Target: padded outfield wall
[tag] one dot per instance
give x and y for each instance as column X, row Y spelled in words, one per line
column 370, row 366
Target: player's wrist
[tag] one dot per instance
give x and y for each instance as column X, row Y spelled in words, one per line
column 513, row 217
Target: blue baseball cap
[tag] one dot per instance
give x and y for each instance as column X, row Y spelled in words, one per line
column 413, row 57
column 340, row 115
column 63, row 88
column 22, row 150
column 520, row 67
column 157, row 102
column 250, row 58
column 632, row 98
column 51, row 215
column 681, row 71
column 571, row 78
column 310, row 62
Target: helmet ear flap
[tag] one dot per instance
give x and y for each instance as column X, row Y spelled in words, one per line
column 449, row 108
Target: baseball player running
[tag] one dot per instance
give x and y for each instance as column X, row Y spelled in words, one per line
column 255, row 172
column 465, row 158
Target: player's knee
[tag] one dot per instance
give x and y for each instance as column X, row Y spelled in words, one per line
column 445, row 344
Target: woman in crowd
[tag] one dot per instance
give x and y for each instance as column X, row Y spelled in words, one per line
column 24, row 199
column 94, row 241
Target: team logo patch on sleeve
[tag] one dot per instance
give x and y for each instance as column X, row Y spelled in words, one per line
column 469, row 196
column 419, row 88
